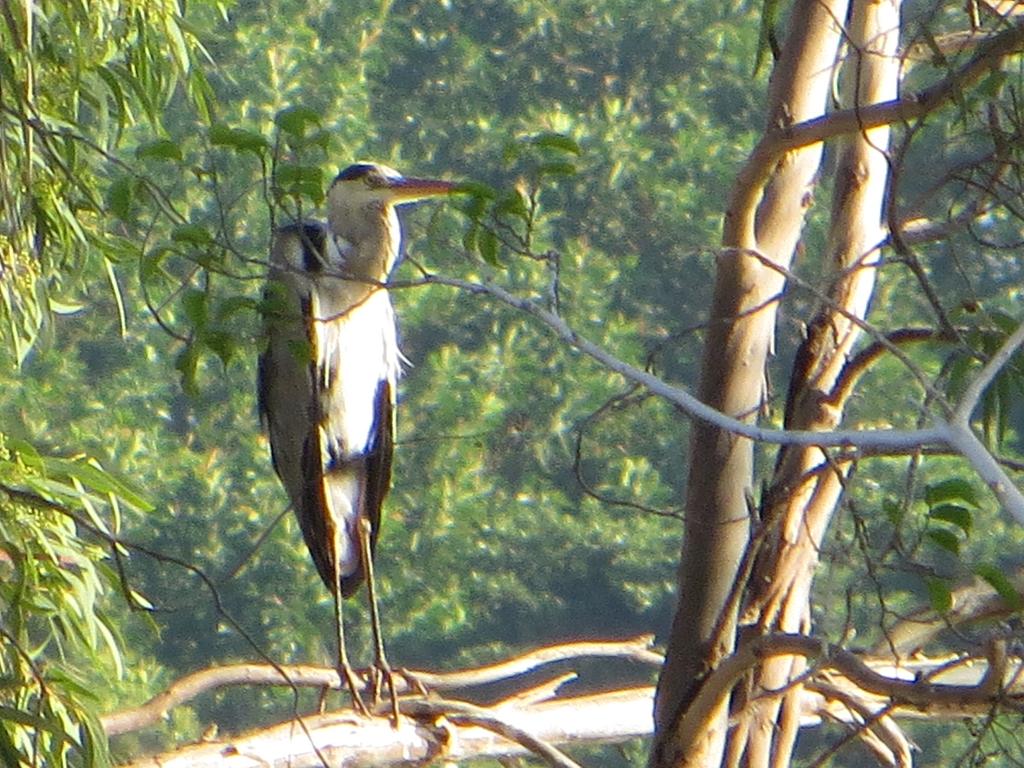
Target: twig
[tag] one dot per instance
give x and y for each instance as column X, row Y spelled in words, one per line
column 462, row 713
column 951, row 434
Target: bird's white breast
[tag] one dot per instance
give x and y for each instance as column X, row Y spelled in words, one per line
column 356, row 343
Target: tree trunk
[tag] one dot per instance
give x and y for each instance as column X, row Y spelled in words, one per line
column 807, row 486
column 762, row 228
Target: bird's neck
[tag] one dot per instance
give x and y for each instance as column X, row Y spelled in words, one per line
column 374, row 236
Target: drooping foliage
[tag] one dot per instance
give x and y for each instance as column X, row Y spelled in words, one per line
column 487, row 508
column 151, row 149
column 74, row 78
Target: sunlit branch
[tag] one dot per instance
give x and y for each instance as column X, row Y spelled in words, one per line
column 954, row 434
column 786, row 138
column 308, row 676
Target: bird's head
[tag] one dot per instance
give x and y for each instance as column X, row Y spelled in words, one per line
column 372, row 182
column 364, row 194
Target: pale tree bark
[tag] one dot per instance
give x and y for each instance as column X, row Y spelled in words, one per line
column 864, row 693
column 806, row 487
column 746, row 576
column 763, row 223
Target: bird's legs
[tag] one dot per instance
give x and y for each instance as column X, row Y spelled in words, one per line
column 345, row 670
column 380, row 663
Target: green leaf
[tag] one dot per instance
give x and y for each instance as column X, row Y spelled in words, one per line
column 556, row 141
column 141, row 601
column 196, row 306
column 556, row 169
column 192, row 234
column 294, row 120
column 1002, row 585
column 953, row 489
column 95, row 741
column 178, row 46
column 59, row 307
column 893, row 511
column 187, row 364
column 108, row 76
column 469, row 238
column 512, row 204
column 89, row 474
column 487, row 245
column 482, row 192
column 115, row 289
column 291, row 173
column 238, row 139
column 151, row 264
column 939, row 594
column 120, row 196
column 300, row 180
column 20, row 716
column 222, row 344
column 945, row 539
column 161, row 149
column 234, row 305
column 8, row 752
column 959, row 516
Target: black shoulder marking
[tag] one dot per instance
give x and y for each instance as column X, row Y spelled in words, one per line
column 313, row 236
column 356, row 171
column 378, row 460
column 262, row 384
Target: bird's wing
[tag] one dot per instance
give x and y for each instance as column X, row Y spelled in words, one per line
column 283, row 384
column 286, row 385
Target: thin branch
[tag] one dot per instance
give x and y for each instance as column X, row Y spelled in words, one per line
column 889, row 439
column 462, row 713
column 786, row 138
column 914, row 694
column 877, row 729
column 998, row 361
column 949, row 434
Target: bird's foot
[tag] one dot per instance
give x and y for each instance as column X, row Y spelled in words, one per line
column 382, row 675
column 412, row 682
column 398, row 681
column 355, row 685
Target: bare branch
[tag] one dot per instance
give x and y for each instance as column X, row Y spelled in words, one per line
column 888, row 439
column 898, row 686
column 957, row 437
column 987, row 57
column 864, row 692
column 303, row 675
column 977, row 387
column 432, row 730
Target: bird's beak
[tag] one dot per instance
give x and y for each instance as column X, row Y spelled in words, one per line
column 408, row 190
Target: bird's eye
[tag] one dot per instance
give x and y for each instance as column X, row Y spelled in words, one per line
column 375, row 179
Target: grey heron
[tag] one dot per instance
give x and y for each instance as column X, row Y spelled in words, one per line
column 327, row 378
